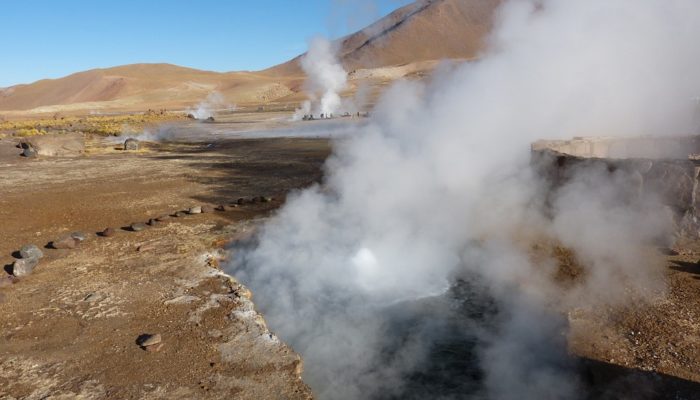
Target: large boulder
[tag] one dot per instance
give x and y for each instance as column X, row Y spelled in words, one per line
column 61, row 145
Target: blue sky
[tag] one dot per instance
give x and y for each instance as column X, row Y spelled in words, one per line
column 49, row 39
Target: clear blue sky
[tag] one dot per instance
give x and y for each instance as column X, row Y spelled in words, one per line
column 52, row 38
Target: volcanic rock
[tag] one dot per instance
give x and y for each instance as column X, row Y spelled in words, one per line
column 24, row 266
column 131, row 144
column 64, row 242
column 30, row 251
column 150, row 343
column 109, row 232
column 29, row 152
column 221, row 207
column 195, row 210
column 138, row 226
column 79, row 236
column 242, row 201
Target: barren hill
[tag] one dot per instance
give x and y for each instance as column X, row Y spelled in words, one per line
column 410, row 36
column 421, row 31
column 140, row 86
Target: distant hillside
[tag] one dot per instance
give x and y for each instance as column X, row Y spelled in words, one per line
column 421, row 31
column 141, row 86
column 414, row 34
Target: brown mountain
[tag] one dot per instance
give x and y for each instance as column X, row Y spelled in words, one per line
column 421, row 31
column 406, row 40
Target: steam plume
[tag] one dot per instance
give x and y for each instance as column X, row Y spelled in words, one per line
column 206, row 108
column 326, row 78
column 436, row 189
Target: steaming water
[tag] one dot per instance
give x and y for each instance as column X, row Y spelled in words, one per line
column 452, row 323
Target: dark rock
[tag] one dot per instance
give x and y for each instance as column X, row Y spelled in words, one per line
column 266, row 199
column 210, row 119
column 64, row 242
column 131, row 144
column 242, row 201
column 29, row 152
column 138, row 226
column 221, row 207
column 152, row 222
column 109, row 232
column 30, row 251
column 79, row 236
column 24, row 266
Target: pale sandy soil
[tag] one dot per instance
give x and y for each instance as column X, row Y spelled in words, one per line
column 69, row 330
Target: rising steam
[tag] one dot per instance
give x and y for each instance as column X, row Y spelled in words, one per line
column 437, row 189
column 207, row 107
column 326, row 78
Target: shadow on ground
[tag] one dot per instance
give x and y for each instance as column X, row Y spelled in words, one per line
column 235, row 168
column 607, row 381
column 687, row 267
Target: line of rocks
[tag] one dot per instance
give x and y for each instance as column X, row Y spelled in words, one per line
column 31, row 254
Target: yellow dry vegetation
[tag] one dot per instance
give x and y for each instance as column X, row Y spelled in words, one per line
column 104, row 125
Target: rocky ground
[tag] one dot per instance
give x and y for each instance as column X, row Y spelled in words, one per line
column 648, row 348
column 75, row 327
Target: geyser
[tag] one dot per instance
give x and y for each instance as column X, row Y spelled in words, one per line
column 435, row 193
column 326, row 78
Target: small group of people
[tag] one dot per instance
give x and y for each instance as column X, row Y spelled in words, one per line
column 310, row 117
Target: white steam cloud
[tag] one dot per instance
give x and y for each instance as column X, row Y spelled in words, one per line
column 437, row 189
column 326, row 78
column 213, row 102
